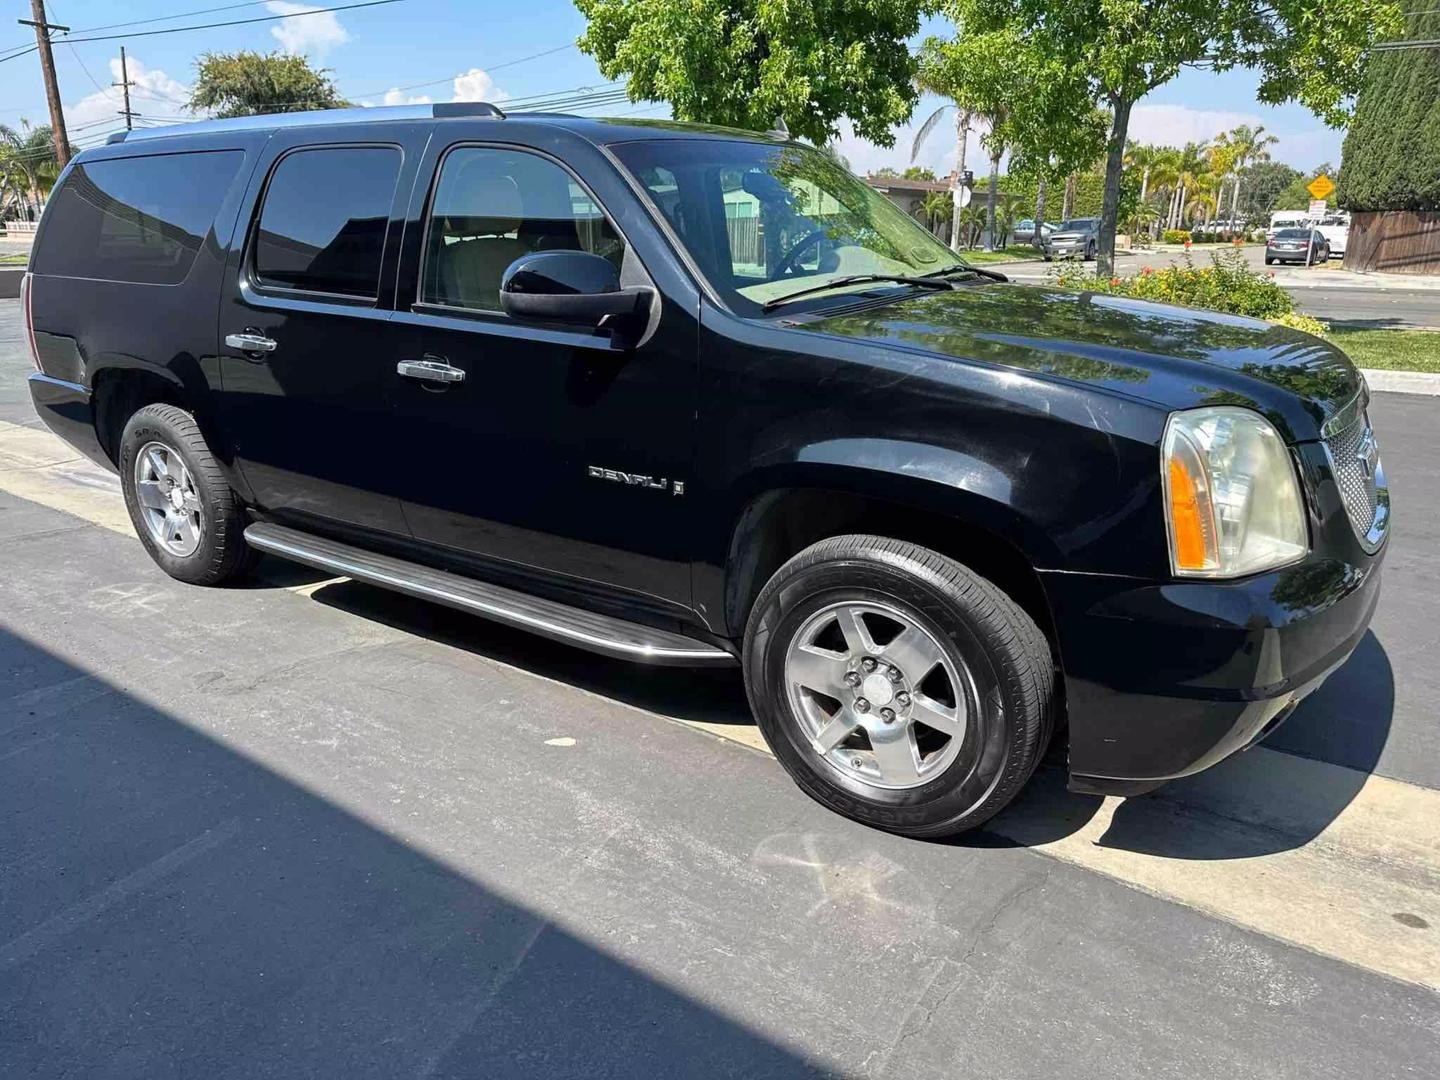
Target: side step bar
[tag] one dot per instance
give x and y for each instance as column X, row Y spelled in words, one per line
column 604, row 634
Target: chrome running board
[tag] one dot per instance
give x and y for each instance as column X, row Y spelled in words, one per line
column 604, row 634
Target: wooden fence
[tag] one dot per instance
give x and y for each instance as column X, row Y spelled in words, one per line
column 1394, row 242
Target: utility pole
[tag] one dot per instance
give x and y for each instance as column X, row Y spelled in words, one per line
column 125, row 84
column 47, row 67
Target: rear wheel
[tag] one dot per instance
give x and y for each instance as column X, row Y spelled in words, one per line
column 896, row 686
column 187, row 517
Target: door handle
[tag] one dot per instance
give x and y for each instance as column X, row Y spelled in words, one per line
column 430, row 369
column 250, row 342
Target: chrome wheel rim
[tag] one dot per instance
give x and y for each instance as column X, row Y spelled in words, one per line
column 169, row 503
column 876, row 696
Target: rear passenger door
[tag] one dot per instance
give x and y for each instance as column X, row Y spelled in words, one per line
column 532, row 458
column 307, row 350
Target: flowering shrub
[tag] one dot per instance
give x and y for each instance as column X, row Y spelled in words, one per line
column 1227, row 284
column 1176, row 236
column 1308, row 323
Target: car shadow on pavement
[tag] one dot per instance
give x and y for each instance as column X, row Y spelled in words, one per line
column 170, row 907
column 1250, row 804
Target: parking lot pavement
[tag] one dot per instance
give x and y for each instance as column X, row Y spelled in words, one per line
column 307, row 828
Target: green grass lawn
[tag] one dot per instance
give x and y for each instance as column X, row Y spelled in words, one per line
column 17, row 259
column 1395, row 350
column 1023, row 252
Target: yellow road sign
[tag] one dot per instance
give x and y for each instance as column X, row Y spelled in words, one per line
column 1321, row 186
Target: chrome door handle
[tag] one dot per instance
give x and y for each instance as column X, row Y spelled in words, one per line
column 430, row 369
column 250, row 343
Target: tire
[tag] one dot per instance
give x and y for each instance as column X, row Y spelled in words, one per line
column 217, row 519
column 1268, row 260
column 1089, row 252
column 987, row 651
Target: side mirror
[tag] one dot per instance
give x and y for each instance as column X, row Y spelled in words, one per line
column 573, row 287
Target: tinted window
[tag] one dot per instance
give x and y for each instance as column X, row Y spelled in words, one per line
column 322, row 228
column 1292, row 234
column 138, row 219
column 492, row 206
column 1083, row 224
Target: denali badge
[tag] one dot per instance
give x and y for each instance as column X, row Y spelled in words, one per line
column 1367, row 453
column 655, row 483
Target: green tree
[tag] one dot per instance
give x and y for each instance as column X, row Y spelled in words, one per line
column 28, row 165
column 1391, row 159
column 747, row 63
column 1297, row 197
column 1301, row 50
column 247, row 83
column 919, row 172
column 1260, row 188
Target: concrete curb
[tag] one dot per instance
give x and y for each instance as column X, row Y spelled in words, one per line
column 1402, row 382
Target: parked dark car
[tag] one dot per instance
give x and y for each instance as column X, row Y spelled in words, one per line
column 682, row 395
column 1307, row 246
column 1077, row 237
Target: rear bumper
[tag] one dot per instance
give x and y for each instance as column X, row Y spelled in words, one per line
column 66, row 409
column 1164, row 680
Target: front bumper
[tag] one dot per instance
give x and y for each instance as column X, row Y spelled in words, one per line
column 1164, row 680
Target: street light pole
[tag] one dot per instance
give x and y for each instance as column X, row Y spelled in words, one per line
column 47, row 68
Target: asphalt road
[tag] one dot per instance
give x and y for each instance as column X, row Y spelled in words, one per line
column 307, row 828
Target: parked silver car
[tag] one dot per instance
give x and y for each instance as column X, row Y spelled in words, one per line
column 1075, row 237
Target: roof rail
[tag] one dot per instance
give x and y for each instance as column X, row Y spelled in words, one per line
column 445, row 110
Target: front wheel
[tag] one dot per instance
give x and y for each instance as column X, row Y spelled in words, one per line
column 187, row 517
column 1090, row 251
column 898, row 687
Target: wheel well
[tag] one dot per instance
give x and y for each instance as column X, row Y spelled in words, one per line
column 780, row 524
column 119, row 394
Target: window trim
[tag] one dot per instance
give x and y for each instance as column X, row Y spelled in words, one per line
column 419, row 306
column 250, row 274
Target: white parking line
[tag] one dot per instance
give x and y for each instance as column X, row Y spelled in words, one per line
column 1339, row 862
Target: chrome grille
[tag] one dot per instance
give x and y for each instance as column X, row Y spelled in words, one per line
column 1355, row 460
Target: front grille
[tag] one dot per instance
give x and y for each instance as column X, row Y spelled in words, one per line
column 1355, row 460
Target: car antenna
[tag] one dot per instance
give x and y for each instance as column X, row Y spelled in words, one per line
column 779, row 131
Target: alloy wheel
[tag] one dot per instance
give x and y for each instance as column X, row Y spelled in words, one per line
column 169, row 503
column 877, row 697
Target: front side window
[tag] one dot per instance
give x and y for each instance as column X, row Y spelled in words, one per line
column 140, row 220
column 763, row 221
column 322, row 226
column 492, row 206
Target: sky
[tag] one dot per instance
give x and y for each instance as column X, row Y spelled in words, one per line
column 444, row 50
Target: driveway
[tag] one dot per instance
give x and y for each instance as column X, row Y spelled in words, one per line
column 308, row 828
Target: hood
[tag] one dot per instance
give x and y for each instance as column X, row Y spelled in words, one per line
column 1175, row 357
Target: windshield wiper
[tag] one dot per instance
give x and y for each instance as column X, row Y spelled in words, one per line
column 946, row 271
column 926, row 282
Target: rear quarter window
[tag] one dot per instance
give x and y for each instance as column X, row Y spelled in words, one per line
column 140, row 220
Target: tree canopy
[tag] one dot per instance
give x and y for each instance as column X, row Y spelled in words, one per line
column 1125, row 48
column 1391, row 159
column 246, row 83
column 747, row 63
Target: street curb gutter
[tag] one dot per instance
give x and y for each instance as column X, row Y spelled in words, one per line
column 1402, row 382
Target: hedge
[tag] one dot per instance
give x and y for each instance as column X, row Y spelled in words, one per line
column 1391, row 159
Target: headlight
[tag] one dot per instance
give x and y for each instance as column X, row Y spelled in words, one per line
column 1232, row 498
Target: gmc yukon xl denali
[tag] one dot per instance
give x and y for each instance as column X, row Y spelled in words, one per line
column 684, row 395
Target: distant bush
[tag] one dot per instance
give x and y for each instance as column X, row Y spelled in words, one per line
column 1175, row 236
column 1307, row 323
column 1227, row 284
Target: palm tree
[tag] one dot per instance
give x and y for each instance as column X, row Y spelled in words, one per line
column 1193, row 163
column 1243, row 146
column 28, row 159
column 935, row 209
column 963, row 119
column 1008, row 211
column 971, row 219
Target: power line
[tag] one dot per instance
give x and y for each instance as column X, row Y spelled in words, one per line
column 461, row 74
column 209, row 26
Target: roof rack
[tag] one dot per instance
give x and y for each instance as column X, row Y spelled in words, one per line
column 445, row 110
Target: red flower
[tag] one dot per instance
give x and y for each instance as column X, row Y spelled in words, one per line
column 1146, row 271
column 1187, row 245
column 1114, row 281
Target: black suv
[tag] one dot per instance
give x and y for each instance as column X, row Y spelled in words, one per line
column 684, row 395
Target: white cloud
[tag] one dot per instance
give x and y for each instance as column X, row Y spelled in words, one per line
column 152, row 93
column 477, row 85
column 397, row 96
column 309, row 34
column 1176, row 125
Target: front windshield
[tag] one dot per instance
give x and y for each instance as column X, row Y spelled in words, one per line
column 1080, row 224
column 763, row 222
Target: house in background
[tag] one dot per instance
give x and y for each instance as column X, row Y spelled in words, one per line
column 908, row 195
